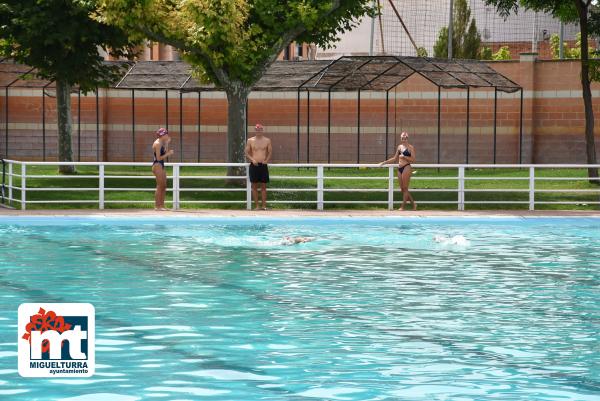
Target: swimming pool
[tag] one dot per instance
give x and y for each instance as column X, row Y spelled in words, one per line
column 371, row 309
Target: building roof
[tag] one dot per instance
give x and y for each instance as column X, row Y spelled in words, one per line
column 350, row 73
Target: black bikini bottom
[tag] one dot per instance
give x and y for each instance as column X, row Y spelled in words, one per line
column 401, row 169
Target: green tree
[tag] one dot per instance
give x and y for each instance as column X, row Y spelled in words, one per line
column 232, row 42
column 61, row 40
column 440, row 47
column 588, row 17
column 503, row 53
column 569, row 52
column 421, row 52
column 466, row 40
column 485, row 53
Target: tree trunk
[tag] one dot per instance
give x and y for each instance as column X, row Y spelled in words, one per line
column 237, row 98
column 590, row 143
column 63, row 110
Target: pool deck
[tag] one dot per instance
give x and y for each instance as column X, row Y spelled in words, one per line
column 147, row 213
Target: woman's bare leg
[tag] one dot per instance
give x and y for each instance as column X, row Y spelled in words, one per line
column 157, row 194
column 161, row 186
column 401, row 189
column 163, row 191
column 407, row 197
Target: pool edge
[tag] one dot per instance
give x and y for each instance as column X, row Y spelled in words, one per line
column 290, row 214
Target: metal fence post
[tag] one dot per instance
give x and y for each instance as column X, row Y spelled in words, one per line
column 176, row 187
column 461, row 188
column 101, row 186
column 320, row 186
column 248, row 189
column 23, row 186
column 531, row 188
column 10, row 183
column 391, row 188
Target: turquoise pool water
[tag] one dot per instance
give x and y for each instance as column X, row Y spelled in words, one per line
column 382, row 309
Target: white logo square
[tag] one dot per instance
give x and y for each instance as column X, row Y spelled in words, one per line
column 56, row 339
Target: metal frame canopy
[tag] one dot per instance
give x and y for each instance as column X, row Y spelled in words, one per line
column 382, row 73
column 20, row 76
column 177, row 75
column 347, row 73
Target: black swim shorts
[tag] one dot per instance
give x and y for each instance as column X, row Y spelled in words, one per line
column 259, row 173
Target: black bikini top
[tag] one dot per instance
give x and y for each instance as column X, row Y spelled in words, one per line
column 406, row 152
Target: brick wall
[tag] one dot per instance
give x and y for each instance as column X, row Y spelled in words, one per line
column 553, row 124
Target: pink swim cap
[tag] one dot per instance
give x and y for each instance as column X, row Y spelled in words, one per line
column 161, row 132
column 258, row 127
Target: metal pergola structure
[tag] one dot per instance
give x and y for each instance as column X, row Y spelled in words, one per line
column 348, row 73
column 384, row 73
column 14, row 75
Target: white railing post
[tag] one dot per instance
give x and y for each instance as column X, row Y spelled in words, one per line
column 461, row 188
column 10, row 181
column 101, row 186
column 531, row 188
column 176, row 187
column 248, row 189
column 391, row 187
column 320, row 187
column 23, row 186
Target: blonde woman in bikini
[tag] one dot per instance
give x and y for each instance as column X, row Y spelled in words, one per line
column 404, row 156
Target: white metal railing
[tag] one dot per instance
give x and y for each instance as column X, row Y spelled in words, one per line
column 19, row 169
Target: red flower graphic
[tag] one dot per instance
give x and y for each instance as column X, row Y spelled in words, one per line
column 44, row 321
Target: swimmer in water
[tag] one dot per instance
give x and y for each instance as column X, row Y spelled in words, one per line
column 287, row 240
column 456, row 240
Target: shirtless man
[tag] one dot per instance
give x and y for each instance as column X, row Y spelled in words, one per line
column 259, row 152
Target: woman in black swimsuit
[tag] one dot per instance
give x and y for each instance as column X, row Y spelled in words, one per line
column 404, row 156
column 160, row 147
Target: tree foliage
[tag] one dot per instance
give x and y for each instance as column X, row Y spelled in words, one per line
column 563, row 9
column 421, row 52
column 232, row 42
column 587, row 15
column 569, row 52
column 503, row 53
column 574, row 52
column 229, row 41
column 485, row 53
column 440, row 47
column 60, row 39
column 466, row 40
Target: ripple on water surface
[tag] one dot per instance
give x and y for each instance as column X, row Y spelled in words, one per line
column 388, row 309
